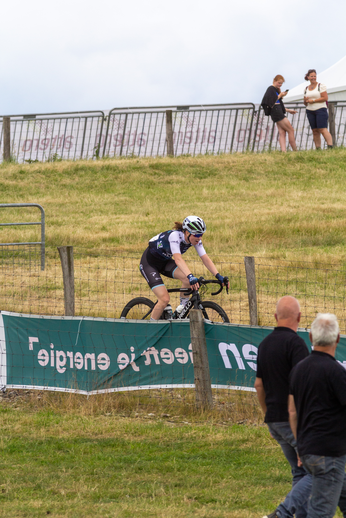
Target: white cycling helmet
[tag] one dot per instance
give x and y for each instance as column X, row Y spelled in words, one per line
column 194, row 225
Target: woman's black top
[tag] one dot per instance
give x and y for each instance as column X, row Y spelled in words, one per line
column 271, row 98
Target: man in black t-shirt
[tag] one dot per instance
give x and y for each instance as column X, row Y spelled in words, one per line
column 278, row 353
column 317, row 409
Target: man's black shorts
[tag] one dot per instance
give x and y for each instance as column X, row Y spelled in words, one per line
column 151, row 268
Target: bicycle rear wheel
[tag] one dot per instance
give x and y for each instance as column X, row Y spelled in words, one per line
column 214, row 312
column 139, row 308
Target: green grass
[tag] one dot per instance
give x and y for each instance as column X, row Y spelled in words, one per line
column 70, row 465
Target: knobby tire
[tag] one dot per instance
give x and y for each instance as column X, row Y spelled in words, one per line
column 215, row 313
column 138, row 309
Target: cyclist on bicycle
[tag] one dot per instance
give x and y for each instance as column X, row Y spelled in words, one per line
column 164, row 256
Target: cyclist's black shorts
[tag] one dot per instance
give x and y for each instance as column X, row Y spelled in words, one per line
column 151, row 268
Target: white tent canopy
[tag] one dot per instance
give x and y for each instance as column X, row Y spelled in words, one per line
column 334, row 78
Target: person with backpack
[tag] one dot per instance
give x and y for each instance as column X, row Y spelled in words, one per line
column 316, row 100
column 272, row 105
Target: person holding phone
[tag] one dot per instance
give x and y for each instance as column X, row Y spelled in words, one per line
column 315, row 100
column 273, row 99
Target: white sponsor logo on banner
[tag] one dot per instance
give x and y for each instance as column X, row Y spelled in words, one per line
column 61, row 360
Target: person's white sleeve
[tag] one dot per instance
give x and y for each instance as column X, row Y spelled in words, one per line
column 200, row 249
column 174, row 241
column 323, row 88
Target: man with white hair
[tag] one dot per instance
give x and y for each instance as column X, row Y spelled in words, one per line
column 317, row 411
column 278, row 353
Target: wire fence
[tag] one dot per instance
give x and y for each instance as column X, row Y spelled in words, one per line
column 142, row 132
column 106, row 280
column 318, row 287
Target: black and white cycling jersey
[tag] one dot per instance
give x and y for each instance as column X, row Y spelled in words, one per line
column 170, row 242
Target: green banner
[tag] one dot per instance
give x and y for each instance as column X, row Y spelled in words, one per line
column 89, row 355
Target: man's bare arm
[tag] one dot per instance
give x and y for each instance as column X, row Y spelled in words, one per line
column 292, row 412
column 261, row 394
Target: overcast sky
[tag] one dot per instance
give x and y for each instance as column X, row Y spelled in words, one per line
column 75, row 55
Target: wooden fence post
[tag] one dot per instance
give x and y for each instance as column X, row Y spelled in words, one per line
column 66, row 258
column 251, row 289
column 169, row 133
column 6, row 130
column 331, row 110
column 200, row 360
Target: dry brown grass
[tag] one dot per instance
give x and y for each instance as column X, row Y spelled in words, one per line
column 289, row 206
column 286, row 210
column 174, row 406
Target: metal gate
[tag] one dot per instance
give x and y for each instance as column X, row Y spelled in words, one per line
column 42, row 223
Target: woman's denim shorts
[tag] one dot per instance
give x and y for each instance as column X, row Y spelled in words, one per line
column 318, row 118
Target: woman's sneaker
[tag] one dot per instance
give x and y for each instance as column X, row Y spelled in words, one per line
column 271, row 515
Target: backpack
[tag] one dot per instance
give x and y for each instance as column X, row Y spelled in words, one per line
column 319, row 89
column 267, row 109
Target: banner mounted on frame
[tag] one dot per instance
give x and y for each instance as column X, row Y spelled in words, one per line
column 93, row 355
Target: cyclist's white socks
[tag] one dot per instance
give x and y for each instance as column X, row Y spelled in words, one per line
column 183, row 301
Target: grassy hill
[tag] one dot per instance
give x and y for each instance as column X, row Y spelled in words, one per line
column 289, row 206
column 126, row 455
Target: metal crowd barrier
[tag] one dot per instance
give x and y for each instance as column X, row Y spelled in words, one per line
column 54, row 136
column 196, row 130
column 266, row 135
column 142, row 132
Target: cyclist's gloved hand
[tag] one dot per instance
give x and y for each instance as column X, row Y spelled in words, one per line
column 220, row 278
column 192, row 279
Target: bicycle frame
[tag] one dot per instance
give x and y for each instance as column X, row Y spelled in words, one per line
column 195, row 300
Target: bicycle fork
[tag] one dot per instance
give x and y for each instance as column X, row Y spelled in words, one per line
column 196, row 304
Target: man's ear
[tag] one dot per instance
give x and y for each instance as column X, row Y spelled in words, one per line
column 310, row 336
column 338, row 339
column 299, row 317
column 276, row 317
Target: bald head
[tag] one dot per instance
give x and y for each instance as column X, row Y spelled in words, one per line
column 288, row 312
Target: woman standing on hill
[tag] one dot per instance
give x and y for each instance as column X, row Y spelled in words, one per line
column 315, row 100
column 164, row 256
column 273, row 99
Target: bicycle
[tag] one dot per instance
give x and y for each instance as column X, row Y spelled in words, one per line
column 140, row 308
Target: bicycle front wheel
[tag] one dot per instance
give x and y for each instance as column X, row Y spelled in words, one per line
column 139, row 308
column 214, row 312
